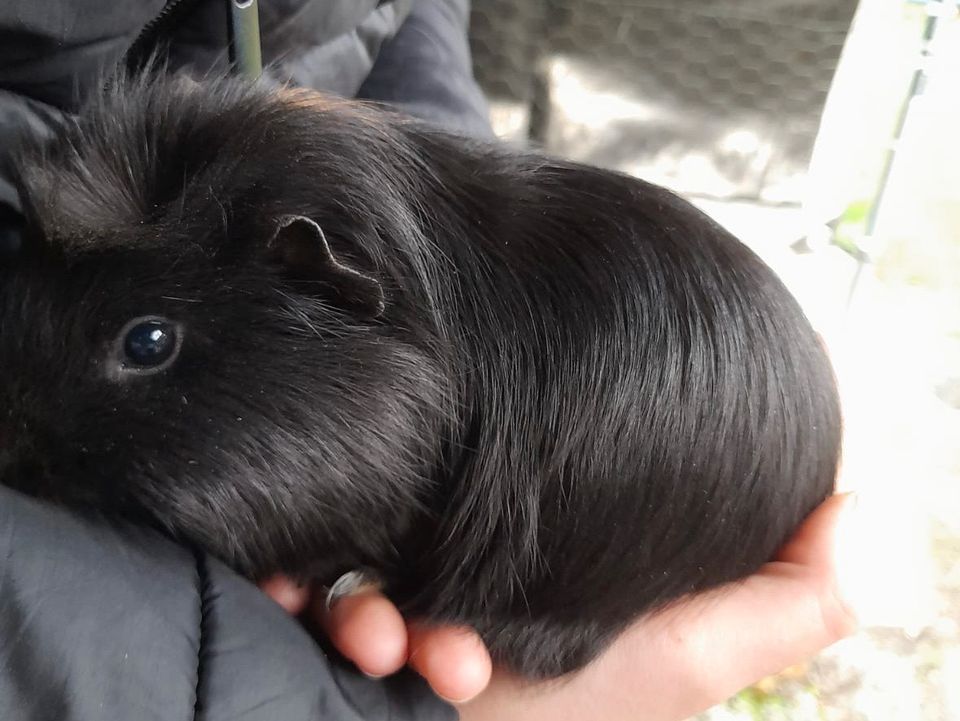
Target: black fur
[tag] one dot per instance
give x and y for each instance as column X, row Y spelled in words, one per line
column 567, row 398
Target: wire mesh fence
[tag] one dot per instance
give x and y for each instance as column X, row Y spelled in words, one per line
column 720, row 99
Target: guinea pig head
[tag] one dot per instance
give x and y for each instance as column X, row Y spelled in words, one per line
column 226, row 369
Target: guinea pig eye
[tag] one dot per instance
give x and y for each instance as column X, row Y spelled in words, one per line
column 149, row 344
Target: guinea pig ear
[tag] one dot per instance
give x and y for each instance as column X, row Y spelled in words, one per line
column 301, row 247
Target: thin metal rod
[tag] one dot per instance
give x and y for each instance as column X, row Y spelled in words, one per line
column 916, row 88
column 243, row 24
column 917, row 85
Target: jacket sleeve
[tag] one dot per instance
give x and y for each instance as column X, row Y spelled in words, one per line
column 20, row 116
column 102, row 622
column 51, row 55
column 426, row 69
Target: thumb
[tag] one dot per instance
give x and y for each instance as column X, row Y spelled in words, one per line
column 697, row 653
column 784, row 614
column 813, row 554
column 814, row 542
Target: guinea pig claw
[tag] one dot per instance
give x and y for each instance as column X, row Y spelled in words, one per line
column 349, row 583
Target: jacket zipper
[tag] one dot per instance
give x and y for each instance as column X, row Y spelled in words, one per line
column 152, row 31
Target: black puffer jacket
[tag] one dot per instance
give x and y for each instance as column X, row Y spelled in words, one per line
column 411, row 53
column 104, row 623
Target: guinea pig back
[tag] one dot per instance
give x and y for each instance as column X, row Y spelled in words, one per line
column 309, row 335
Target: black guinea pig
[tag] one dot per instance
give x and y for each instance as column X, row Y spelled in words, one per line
column 309, row 335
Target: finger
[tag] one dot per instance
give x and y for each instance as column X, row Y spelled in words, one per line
column 453, row 660
column 290, row 595
column 814, row 542
column 786, row 613
column 693, row 655
column 366, row 628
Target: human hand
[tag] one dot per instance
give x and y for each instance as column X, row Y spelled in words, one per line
column 671, row 665
column 369, row 630
column 665, row 667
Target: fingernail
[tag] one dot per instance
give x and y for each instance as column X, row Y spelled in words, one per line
column 373, row 676
column 853, row 500
column 349, row 583
column 848, row 514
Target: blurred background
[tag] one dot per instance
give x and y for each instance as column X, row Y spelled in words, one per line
column 824, row 134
